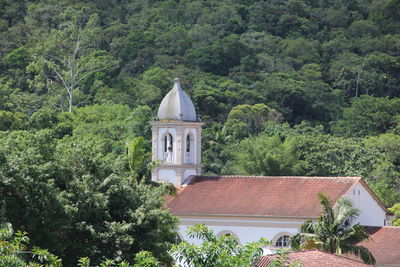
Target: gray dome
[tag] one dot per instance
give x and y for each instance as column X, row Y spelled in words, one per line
column 176, row 105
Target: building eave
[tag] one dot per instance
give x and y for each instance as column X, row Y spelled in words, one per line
column 244, row 217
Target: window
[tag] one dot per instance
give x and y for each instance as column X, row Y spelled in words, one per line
column 189, row 149
column 168, row 143
column 229, row 233
column 283, row 241
column 168, row 148
column 187, row 143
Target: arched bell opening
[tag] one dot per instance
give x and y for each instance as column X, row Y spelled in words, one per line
column 189, row 149
column 168, row 148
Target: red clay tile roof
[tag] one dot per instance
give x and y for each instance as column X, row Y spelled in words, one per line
column 384, row 244
column 258, row 195
column 315, row 258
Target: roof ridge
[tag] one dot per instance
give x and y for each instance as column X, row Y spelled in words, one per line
column 285, row 176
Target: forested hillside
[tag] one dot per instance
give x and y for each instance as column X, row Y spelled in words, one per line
column 299, row 87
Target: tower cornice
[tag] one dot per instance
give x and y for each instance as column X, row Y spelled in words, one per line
column 170, row 124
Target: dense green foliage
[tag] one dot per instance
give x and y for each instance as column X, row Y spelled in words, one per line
column 299, row 87
column 14, row 253
column 142, row 259
column 73, row 187
column 334, row 232
column 218, row 251
column 396, row 210
column 306, row 150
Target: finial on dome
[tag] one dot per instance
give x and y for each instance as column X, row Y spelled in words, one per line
column 177, row 83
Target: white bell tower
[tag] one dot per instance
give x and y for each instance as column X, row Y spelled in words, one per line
column 176, row 138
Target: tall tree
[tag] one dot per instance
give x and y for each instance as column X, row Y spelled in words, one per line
column 247, row 120
column 69, row 56
column 334, row 232
column 369, row 115
column 265, row 155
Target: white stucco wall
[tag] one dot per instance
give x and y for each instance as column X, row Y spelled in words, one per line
column 167, row 175
column 371, row 214
column 245, row 230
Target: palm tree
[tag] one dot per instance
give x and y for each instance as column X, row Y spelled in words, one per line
column 334, row 232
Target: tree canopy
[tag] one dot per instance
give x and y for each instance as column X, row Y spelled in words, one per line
column 74, row 187
column 283, row 87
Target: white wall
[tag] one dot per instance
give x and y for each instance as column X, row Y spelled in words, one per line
column 371, row 213
column 252, row 232
column 167, row 175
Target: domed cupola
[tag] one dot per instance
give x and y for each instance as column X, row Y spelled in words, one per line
column 176, row 138
column 176, row 105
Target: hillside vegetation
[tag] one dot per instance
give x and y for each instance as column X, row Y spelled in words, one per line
column 299, row 87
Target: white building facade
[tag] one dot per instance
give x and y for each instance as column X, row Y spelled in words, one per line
column 247, row 207
column 250, row 207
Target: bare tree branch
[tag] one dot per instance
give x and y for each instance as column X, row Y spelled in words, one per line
column 91, row 72
column 61, row 78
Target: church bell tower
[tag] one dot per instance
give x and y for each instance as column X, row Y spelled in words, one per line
column 176, row 138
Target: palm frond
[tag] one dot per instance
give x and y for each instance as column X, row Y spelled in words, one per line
column 326, row 205
column 361, row 252
column 334, row 232
column 307, row 227
column 355, row 234
column 345, row 213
